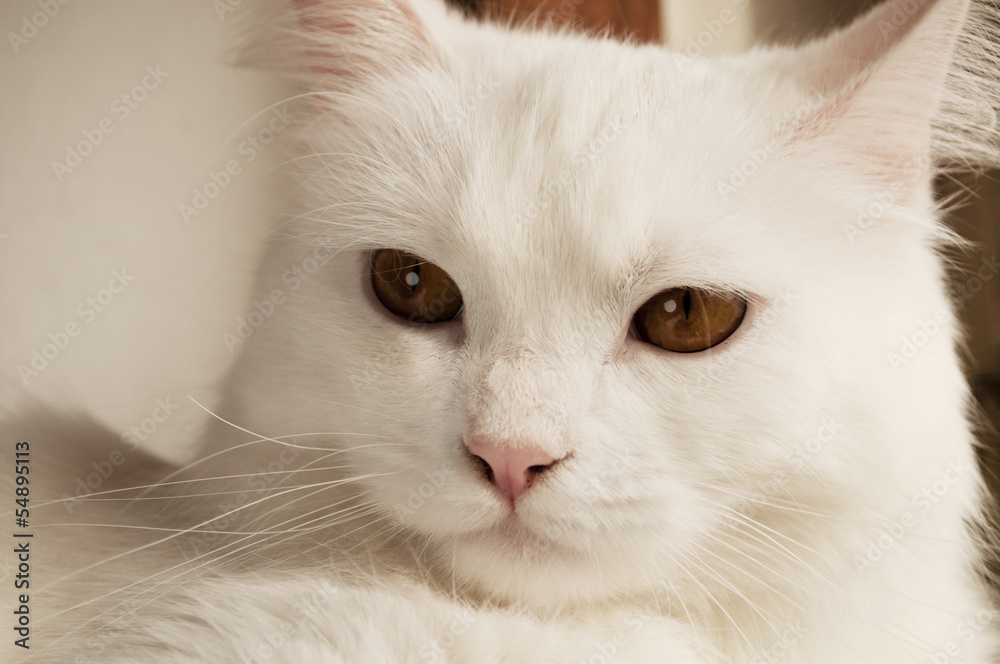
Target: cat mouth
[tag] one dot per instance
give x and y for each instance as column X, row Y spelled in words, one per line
column 512, row 535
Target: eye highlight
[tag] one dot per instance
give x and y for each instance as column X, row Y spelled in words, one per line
column 414, row 289
column 688, row 320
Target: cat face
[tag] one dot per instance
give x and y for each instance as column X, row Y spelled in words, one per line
column 562, row 184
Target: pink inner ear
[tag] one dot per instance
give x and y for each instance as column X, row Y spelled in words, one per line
column 323, row 15
column 887, row 74
column 347, row 37
column 837, row 60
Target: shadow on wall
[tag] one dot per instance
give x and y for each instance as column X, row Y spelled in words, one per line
column 794, row 20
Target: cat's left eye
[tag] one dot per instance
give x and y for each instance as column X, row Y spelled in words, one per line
column 414, row 289
column 689, row 320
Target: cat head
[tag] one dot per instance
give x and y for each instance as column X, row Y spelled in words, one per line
column 584, row 314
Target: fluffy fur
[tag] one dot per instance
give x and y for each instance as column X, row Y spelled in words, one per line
column 802, row 492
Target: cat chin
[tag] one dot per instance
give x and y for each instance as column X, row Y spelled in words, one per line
column 513, row 540
column 547, row 582
column 512, row 563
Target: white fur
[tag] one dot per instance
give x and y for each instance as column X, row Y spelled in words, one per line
column 714, row 506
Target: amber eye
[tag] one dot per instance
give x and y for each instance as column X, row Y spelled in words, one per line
column 414, row 289
column 688, row 320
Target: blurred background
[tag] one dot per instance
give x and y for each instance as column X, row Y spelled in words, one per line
column 116, row 192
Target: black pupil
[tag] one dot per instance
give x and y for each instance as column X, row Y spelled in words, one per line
column 687, row 304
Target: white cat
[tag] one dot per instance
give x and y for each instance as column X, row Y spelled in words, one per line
column 578, row 351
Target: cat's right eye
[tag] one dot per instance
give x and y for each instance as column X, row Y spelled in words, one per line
column 414, row 289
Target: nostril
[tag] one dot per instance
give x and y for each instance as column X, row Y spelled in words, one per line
column 487, row 469
column 510, row 469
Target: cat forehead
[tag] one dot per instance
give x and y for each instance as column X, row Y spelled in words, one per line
column 628, row 139
column 593, row 156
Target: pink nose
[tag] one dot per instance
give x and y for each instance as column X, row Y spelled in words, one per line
column 511, row 469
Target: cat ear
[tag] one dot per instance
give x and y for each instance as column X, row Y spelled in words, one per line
column 341, row 44
column 353, row 38
column 893, row 89
column 830, row 64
